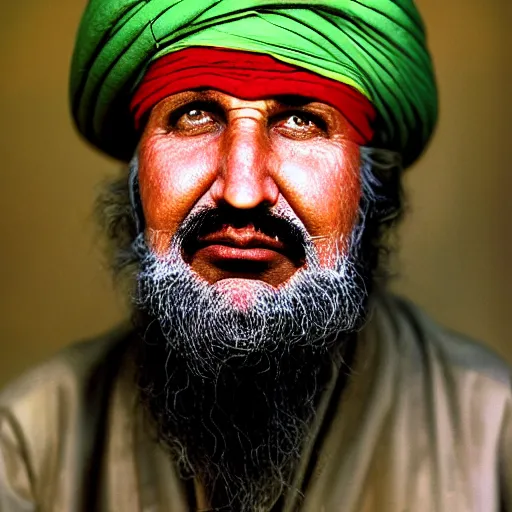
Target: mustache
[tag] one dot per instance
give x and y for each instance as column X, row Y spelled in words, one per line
column 208, row 220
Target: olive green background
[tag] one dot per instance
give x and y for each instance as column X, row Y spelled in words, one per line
column 456, row 242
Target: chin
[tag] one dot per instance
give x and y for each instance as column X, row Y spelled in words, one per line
column 241, row 292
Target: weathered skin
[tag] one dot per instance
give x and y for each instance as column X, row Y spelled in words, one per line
column 210, row 148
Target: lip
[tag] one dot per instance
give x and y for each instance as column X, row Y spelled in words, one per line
column 227, row 252
column 240, row 244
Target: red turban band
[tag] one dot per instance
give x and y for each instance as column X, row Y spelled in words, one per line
column 251, row 76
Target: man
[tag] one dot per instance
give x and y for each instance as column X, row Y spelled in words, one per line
column 267, row 368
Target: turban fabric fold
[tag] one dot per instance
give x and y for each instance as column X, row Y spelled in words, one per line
column 376, row 46
column 251, row 76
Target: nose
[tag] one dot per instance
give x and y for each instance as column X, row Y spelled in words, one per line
column 244, row 179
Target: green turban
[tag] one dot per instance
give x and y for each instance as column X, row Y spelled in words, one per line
column 376, row 46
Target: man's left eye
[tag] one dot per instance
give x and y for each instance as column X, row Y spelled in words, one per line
column 300, row 125
column 298, row 122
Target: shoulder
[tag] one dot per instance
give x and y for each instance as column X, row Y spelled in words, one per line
column 65, row 373
column 446, row 384
column 427, row 342
column 45, row 411
column 450, row 374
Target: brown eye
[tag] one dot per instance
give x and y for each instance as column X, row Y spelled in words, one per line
column 298, row 122
column 193, row 120
column 300, row 125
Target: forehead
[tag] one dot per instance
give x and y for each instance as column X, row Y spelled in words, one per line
column 228, row 101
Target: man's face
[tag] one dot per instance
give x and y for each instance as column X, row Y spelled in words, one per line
column 209, row 150
column 249, row 279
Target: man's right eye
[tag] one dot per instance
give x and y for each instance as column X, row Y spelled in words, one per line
column 193, row 121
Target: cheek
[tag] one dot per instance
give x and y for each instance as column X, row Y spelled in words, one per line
column 170, row 186
column 322, row 185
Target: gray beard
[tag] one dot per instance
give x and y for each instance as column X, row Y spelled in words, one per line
column 232, row 391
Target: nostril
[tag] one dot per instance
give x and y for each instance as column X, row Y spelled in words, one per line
column 271, row 192
column 217, row 191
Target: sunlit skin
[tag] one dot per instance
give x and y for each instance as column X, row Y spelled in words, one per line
column 207, row 148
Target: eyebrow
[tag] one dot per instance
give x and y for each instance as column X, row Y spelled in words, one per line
column 279, row 101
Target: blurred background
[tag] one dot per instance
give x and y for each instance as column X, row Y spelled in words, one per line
column 455, row 244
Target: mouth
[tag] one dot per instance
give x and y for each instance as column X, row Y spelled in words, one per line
column 242, row 244
column 244, row 248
